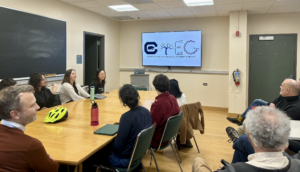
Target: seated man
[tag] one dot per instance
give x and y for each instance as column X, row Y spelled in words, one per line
column 165, row 105
column 18, row 151
column 288, row 101
column 268, row 133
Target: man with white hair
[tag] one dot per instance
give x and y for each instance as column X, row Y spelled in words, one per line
column 288, row 101
column 268, row 131
column 18, row 151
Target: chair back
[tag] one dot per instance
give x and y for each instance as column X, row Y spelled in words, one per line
column 171, row 128
column 141, row 88
column 142, row 144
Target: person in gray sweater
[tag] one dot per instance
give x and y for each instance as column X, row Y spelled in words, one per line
column 70, row 90
column 268, row 131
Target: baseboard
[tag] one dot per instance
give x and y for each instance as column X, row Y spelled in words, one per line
column 214, row 108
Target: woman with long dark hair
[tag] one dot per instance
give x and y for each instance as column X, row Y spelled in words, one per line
column 175, row 91
column 70, row 90
column 99, row 81
column 45, row 98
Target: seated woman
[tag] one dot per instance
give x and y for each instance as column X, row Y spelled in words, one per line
column 164, row 106
column 175, row 91
column 44, row 97
column 99, row 82
column 131, row 124
column 6, row 82
column 70, row 90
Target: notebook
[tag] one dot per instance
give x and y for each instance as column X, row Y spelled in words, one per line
column 108, row 129
column 99, row 96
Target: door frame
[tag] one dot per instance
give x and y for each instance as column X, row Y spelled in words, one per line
column 250, row 39
column 102, row 53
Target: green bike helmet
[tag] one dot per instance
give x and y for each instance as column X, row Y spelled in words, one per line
column 56, row 115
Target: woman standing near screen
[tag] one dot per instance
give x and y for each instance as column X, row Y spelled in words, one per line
column 70, row 90
column 99, row 81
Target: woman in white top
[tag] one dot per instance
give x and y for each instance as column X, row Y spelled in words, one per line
column 175, row 91
column 70, row 90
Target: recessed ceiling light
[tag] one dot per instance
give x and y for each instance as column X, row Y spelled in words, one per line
column 122, row 8
column 192, row 3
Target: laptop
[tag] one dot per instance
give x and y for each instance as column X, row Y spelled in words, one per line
column 139, row 71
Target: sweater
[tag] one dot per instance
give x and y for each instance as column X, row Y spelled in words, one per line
column 290, row 105
column 22, row 153
column 45, row 98
column 130, row 125
column 99, row 89
column 165, row 105
column 293, row 166
column 67, row 93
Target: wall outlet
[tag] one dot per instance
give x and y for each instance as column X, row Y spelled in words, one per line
column 204, row 84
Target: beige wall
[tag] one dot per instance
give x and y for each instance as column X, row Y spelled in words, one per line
column 214, row 52
column 78, row 20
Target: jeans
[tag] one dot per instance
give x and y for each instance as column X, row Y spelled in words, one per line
column 256, row 102
column 243, row 148
column 117, row 162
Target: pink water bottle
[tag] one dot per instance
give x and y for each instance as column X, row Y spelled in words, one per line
column 94, row 115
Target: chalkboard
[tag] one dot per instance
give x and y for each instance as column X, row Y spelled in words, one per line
column 31, row 43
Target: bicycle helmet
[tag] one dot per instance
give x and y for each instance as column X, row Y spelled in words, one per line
column 56, row 115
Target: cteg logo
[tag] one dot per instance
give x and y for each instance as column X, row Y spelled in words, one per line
column 149, row 47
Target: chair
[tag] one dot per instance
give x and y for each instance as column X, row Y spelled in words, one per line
column 170, row 132
column 141, row 88
column 141, row 146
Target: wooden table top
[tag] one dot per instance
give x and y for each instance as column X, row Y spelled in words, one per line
column 73, row 141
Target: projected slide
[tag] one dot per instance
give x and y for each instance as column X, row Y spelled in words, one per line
column 172, row 49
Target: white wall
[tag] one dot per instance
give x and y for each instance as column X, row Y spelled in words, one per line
column 214, row 52
column 78, row 20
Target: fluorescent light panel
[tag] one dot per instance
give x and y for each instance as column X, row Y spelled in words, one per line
column 122, row 8
column 192, row 3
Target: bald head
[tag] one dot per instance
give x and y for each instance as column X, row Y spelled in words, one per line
column 290, row 87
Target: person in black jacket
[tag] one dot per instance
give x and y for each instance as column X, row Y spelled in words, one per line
column 131, row 124
column 44, row 97
column 6, row 82
column 99, row 82
column 288, row 101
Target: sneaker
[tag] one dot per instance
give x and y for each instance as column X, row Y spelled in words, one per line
column 235, row 121
column 232, row 134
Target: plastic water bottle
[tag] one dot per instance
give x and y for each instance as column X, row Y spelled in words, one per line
column 94, row 115
column 92, row 93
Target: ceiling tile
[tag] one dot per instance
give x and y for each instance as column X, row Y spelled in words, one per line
column 286, row 2
column 227, row 1
column 86, row 4
column 111, row 2
column 161, row 15
column 154, row 11
column 203, row 8
column 138, row 1
column 146, row 6
column 165, row 0
column 205, row 13
column 172, row 4
column 282, row 9
column 261, row 10
column 178, row 10
column 230, row 7
column 72, row 0
column 222, row 12
column 252, row 5
column 245, row 1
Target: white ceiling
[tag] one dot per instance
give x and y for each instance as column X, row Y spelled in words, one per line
column 170, row 9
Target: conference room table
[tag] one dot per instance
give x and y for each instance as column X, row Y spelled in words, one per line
column 73, row 141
